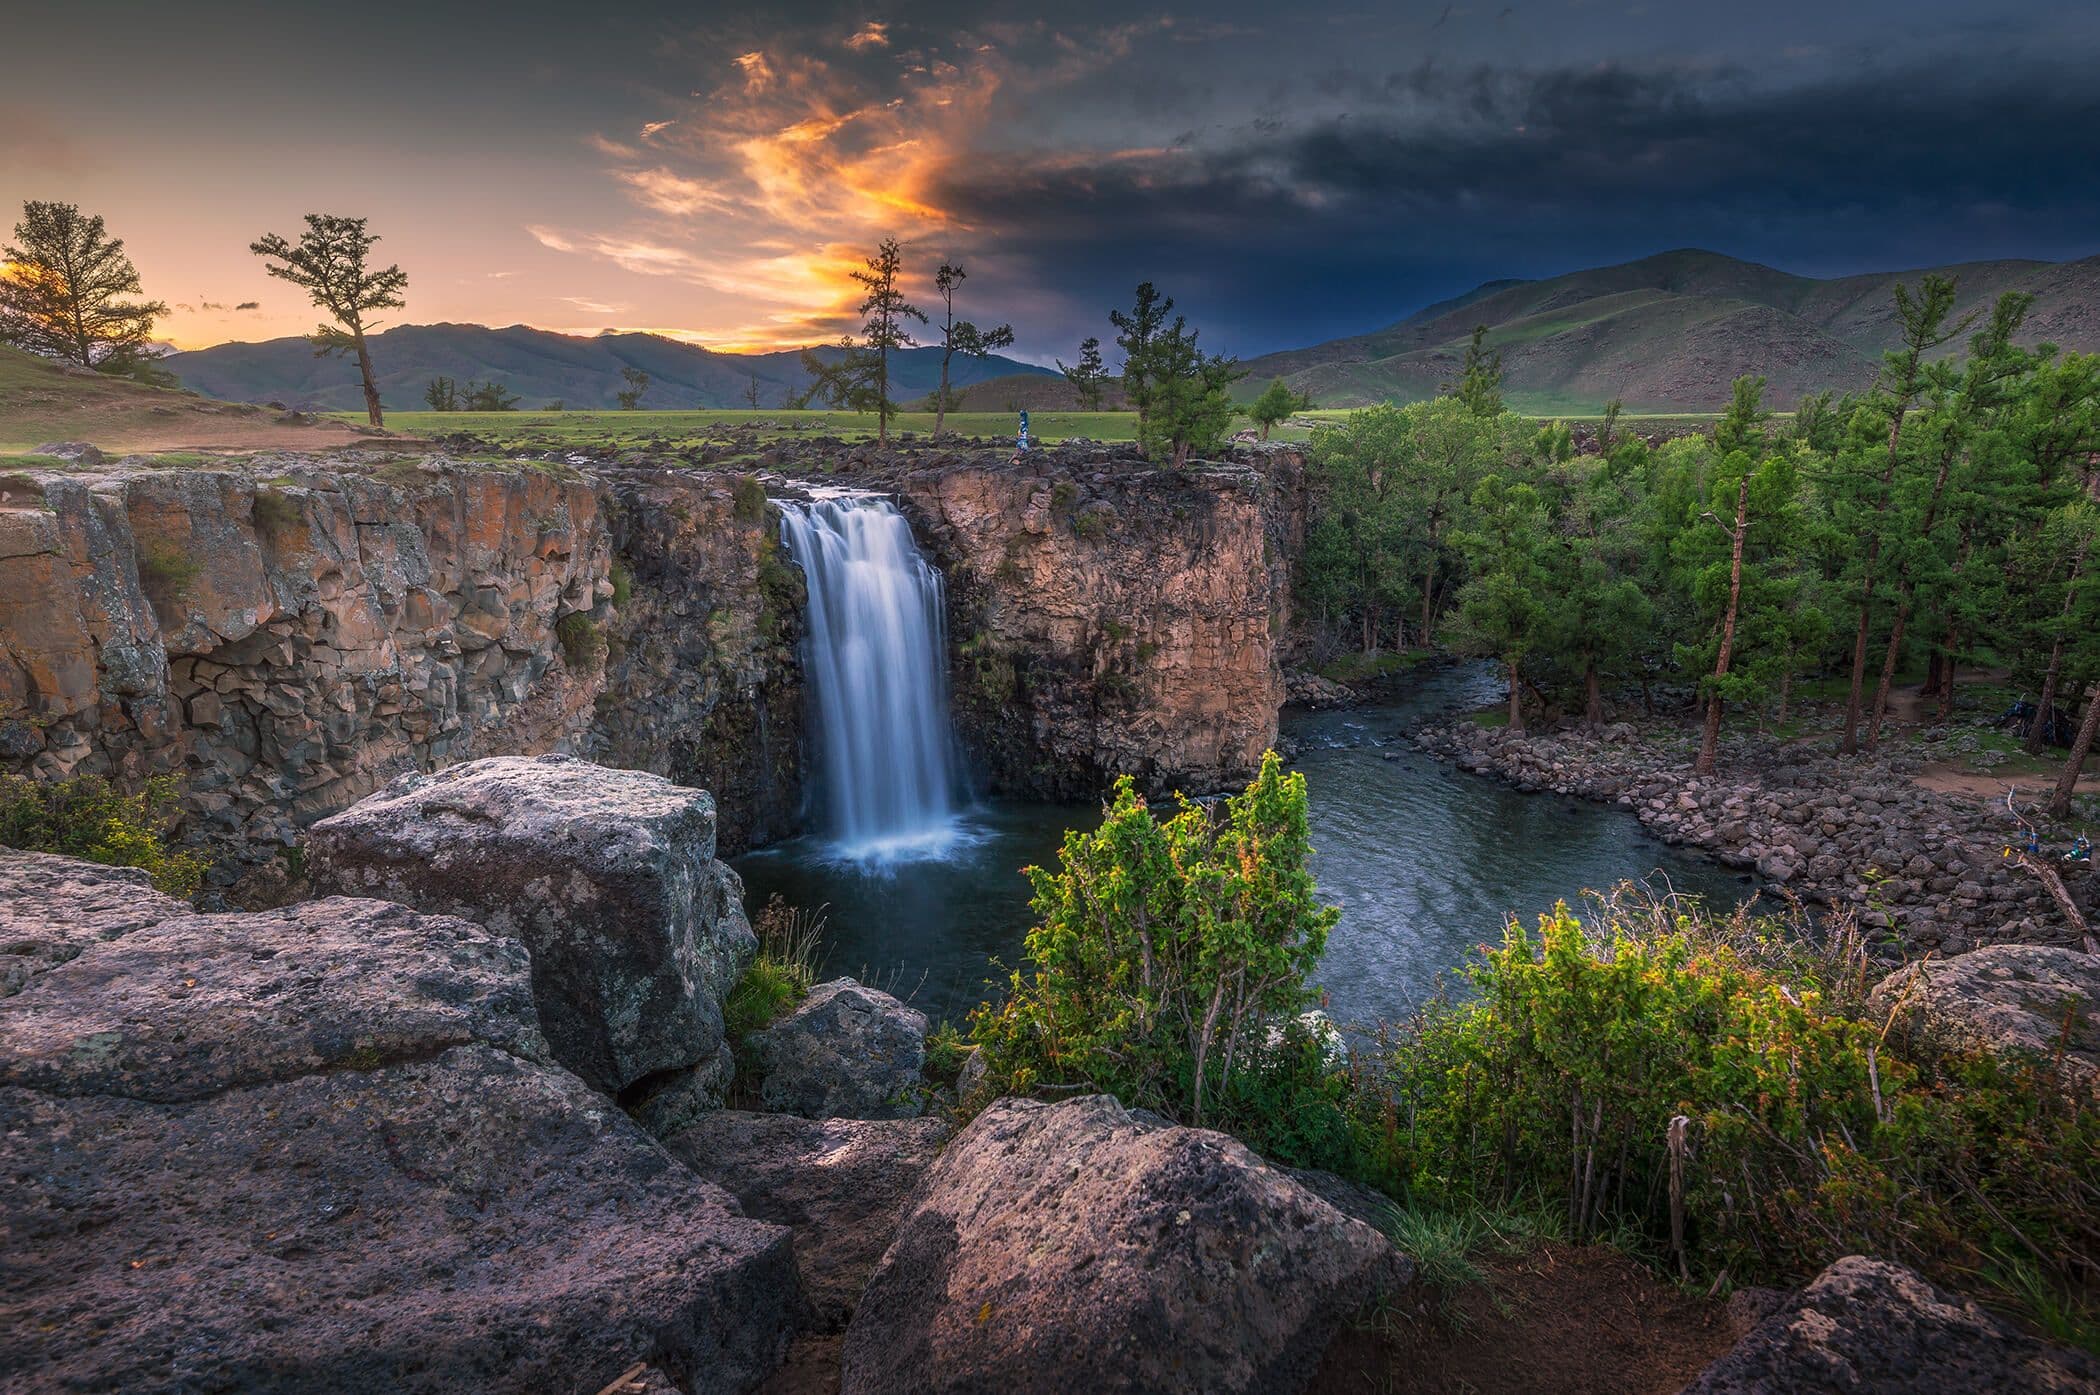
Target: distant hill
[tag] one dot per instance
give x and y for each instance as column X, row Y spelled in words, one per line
column 42, row 402
column 1033, row 391
column 1669, row 333
column 540, row 366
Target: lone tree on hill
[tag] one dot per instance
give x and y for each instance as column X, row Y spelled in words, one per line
column 1276, row 404
column 62, row 295
column 960, row 337
column 751, row 392
column 1089, row 376
column 859, row 378
column 1480, row 377
column 637, row 383
column 328, row 263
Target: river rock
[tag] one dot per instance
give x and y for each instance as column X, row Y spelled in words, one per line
column 2014, row 1000
column 847, row 1052
column 1868, row 1327
column 839, row 1184
column 608, row 876
column 320, row 1150
column 1071, row 1246
column 51, row 908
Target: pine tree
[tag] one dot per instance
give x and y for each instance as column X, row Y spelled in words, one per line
column 328, row 263
column 1137, row 335
column 62, row 294
column 637, row 383
column 960, row 337
column 1276, row 403
column 1088, row 377
column 1480, row 377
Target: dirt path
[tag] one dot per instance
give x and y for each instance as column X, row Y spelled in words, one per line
column 1561, row 1320
column 1944, row 778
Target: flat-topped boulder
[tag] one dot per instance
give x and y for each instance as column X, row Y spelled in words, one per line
column 2021, row 1002
column 324, row 1150
column 609, row 878
column 1868, row 1327
column 51, row 908
column 847, row 1051
column 840, row 1184
column 1075, row 1247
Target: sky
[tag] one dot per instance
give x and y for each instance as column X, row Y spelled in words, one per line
column 1289, row 172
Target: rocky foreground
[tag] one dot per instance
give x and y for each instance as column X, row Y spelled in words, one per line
column 433, row 1135
column 1928, row 868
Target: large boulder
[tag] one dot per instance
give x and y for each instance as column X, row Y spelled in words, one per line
column 51, row 908
column 609, row 878
column 846, row 1052
column 1868, row 1327
column 1074, row 1247
column 323, row 1150
column 840, row 1184
column 2035, row 1002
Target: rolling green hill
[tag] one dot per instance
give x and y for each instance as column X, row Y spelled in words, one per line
column 540, row 367
column 1669, row 333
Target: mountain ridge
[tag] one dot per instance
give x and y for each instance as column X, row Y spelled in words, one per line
column 540, row 366
column 1670, row 331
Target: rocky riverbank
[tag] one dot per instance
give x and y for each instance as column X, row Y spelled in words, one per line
column 1857, row 833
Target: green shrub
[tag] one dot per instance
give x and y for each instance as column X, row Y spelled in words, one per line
column 1712, row 1090
column 275, row 511
column 581, row 643
column 781, row 974
column 1169, row 969
column 622, row 583
column 84, row 816
column 165, row 572
column 749, row 495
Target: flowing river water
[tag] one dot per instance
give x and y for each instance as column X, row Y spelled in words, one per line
column 1424, row 860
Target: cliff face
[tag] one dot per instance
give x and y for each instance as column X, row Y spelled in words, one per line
column 287, row 635
column 1112, row 618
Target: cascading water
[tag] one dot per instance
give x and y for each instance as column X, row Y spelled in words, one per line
column 876, row 656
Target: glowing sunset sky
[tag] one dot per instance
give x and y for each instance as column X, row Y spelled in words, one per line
column 1288, row 172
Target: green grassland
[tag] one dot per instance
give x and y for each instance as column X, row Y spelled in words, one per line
column 674, row 429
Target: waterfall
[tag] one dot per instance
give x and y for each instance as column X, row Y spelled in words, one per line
column 876, row 657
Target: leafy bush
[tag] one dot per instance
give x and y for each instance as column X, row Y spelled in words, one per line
column 748, row 496
column 84, row 816
column 1712, row 1089
column 1169, row 967
column 785, row 969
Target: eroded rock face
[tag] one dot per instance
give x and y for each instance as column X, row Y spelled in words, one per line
column 847, row 1051
column 1113, row 619
column 320, row 1151
column 1868, row 1327
column 840, row 1184
column 609, row 877
column 1073, row 1247
column 2031, row 1002
column 289, row 634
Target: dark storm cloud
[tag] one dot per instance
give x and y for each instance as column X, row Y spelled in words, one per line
column 1428, row 176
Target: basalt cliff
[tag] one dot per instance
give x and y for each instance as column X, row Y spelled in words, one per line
column 288, row 633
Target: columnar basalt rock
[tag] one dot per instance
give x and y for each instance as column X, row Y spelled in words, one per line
column 1112, row 617
column 609, row 878
column 290, row 633
column 323, row 1150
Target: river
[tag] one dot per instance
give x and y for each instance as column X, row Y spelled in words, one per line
column 1425, row 862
